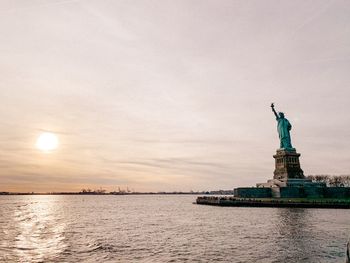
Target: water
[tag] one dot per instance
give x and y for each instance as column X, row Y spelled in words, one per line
column 162, row 228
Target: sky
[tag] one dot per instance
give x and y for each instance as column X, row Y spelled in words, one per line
column 170, row 95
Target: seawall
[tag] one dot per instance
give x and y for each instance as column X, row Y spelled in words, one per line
column 273, row 202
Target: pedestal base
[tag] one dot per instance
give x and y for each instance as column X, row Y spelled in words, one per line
column 287, row 165
column 289, row 182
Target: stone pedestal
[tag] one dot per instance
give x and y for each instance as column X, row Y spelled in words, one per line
column 287, row 165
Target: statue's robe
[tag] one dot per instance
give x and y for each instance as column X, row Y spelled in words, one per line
column 283, row 128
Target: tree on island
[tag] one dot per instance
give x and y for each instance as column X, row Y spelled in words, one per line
column 334, row 181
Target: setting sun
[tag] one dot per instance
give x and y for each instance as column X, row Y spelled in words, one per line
column 47, row 141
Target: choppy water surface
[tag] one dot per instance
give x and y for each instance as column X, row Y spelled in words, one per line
column 164, row 229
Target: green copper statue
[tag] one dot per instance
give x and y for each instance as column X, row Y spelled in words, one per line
column 283, row 128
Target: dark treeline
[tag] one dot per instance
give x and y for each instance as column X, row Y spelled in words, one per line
column 331, row 180
column 89, row 191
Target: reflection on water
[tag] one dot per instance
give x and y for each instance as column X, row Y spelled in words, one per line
column 164, row 229
column 294, row 230
column 37, row 233
column 307, row 235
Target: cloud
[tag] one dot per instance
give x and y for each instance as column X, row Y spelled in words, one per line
column 170, row 94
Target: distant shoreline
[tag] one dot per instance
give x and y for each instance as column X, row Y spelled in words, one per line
column 122, row 193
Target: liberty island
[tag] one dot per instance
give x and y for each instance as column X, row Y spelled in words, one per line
column 288, row 187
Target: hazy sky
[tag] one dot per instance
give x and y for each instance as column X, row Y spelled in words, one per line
column 170, row 95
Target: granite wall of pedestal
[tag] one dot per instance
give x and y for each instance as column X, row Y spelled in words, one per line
column 337, row 192
column 302, row 192
column 314, row 192
column 252, row 192
column 291, row 192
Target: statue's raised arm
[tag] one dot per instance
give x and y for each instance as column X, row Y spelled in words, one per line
column 273, row 110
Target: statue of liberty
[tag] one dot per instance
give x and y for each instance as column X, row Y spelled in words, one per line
column 283, row 128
